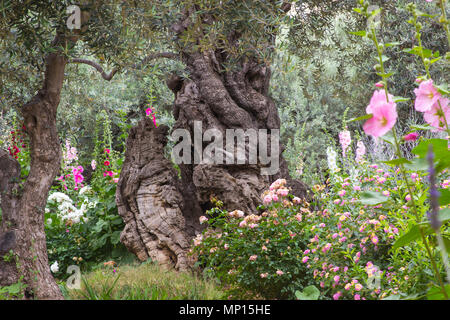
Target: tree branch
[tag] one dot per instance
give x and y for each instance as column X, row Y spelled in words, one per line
column 156, row 55
column 99, row 68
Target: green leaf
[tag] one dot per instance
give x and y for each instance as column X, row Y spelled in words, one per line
column 361, row 33
column 412, row 235
column 385, row 75
column 444, row 214
column 396, row 162
column 439, row 146
column 435, row 293
column 444, row 198
column 401, row 99
column 446, row 243
column 389, row 138
column 417, row 164
column 421, row 127
column 392, row 44
column 392, row 297
column 372, row 198
column 115, row 237
column 435, row 60
column 309, row 293
column 365, row 117
column 442, row 89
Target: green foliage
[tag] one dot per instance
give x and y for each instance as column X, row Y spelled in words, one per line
column 146, row 281
column 13, row 291
column 258, row 255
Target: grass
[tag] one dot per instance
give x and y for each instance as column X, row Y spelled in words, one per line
column 146, row 281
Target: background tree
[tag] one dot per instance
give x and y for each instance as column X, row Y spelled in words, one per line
column 42, row 48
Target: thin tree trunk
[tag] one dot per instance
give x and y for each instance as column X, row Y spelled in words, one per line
column 22, row 222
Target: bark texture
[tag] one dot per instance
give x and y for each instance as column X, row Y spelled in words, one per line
column 160, row 210
column 151, row 200
column 22, row 225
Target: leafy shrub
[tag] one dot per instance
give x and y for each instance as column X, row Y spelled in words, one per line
column 257, row 253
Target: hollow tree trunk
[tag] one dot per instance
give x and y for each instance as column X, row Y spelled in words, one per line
column 22, row 225
column 220, row 100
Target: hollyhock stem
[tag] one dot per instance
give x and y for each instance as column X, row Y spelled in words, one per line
column 443, row 115
column 442, row 4
column 443, row 250
column 434, row 212
column 414, row 207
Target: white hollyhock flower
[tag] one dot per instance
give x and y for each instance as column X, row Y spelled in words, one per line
column 331, row 158
column 54, row 267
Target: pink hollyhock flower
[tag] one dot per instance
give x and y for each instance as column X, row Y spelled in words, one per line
column 106, row 163
column 116, row 180
column 411, row 137
column 148, row 111
column 107, row 150
column 108, row 173
column 280, row 273
column 379, row 85
column 384, row 114
column 438, row 114
column 426, row 96
column 275, row 198
column 345, row 140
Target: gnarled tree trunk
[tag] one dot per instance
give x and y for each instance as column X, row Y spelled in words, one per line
column 220, row 100
column 152, row 202
column 22, row 225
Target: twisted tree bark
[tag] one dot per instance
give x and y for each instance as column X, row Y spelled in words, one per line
column 221, row 100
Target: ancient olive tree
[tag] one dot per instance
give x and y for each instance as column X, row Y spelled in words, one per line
column 226, row 47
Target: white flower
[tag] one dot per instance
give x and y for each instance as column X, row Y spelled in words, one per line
column 54, row 267
column 331, row 158
column 85, row 189
column 49, row 221
column 59, row 197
